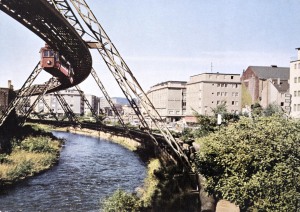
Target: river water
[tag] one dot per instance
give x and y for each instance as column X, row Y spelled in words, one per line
column 89, row 169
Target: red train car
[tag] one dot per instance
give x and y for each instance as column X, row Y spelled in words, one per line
column 54, row 64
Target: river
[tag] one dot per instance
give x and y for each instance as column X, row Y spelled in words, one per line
column 89, row 169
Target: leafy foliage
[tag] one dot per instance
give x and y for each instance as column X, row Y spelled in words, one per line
column 257, row 110
column 120, row 201
column 273, row 109
column 208, row 124
column 39, row 144
column 254, row 163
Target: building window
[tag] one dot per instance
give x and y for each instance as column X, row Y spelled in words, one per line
column 298, row 79
column 236, row 94
column 232, row 102
column 298, row 65
column 231, row 77
column 282, row 104
column 295, row 93
column 218, row 93
column 225, row 93
column 298, row 107
column 295, row 80
column 236, row 103
column 295, row 107
column 298, row 93
column 295, row 66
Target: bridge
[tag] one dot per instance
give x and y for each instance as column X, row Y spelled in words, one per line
column 70, row 29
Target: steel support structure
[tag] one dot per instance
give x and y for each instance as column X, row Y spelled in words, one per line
column 107, row 97
column 21, row 93
column 64, row 8
column 44, row 89
column 49, row 108
column 125, row 77
column 88, row 104
column 68, row 111
column 21, row 107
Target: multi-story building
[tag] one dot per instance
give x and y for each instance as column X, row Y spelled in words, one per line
column 94, row 101
column 71, row 96
column 6, row 95
column 169, row 99
column 267, row 84
column 295, row 86
column 208, row 90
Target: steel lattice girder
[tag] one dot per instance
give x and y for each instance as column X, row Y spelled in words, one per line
column 44, row 20
column 125, row 77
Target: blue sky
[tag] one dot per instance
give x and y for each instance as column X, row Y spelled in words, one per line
column 171, row 39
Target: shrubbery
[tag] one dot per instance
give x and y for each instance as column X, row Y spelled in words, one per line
column 39, row 144
column 121, row 201
column 254, row 163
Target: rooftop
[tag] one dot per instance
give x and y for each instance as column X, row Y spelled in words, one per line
column 273, row 72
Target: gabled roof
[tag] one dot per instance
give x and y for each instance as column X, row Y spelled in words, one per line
column 273, row 72
column 282, row 87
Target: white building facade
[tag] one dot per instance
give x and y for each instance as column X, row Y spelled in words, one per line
column 169, row 99
column 208, row 90
column 295, row 86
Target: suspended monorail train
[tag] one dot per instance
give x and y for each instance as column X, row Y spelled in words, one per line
column 55, row 64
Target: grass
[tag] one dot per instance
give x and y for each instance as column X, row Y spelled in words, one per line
column 150, row 189
column 30, row 156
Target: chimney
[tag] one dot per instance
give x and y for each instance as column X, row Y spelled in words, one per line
column 9, row 84
column 298, row 49
column 278, row 81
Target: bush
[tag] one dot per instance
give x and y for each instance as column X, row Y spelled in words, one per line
column 254, row 164
column 120, row 201
column 38, row 144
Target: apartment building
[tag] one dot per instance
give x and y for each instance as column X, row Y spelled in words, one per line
column 295, row 86
column 71, row 96
column 208, row 90
column 267, row 84
column 169, row 99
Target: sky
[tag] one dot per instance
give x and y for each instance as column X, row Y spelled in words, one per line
column 163, row 40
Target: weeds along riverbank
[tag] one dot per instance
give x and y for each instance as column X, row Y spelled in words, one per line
column 32, row 151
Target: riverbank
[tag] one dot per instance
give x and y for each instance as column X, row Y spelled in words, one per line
column 35, row 151
column 160, row 189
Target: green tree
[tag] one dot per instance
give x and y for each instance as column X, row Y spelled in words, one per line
column 220, row 109
column 257, row 110
column 120, row 201
column 254, row 163
column 273, row 109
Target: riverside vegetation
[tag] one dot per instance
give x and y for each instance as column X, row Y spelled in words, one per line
column 32, row 151
column 253, row 162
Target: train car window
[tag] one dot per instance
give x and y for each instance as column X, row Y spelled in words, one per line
column 51, row 53
column 46, row 53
